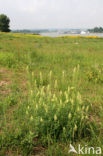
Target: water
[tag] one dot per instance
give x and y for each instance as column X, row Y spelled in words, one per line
column 57, row 34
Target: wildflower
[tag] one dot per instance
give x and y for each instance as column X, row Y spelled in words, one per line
column 55, row 117
column 75, row 127
column 32, row 74
column 87, row 108
column 78, row 66
column 42, row 91
column 28, row 107
column 74, row 70
column 40, row 100
column 31, row 92
column 72, row 88
column 64, row 129
column 50, row 94
column 41, row 120
column 79, row 98
column 45, row 107
column 27, row 68
column 66, row 95
column 60, row 102
column 82, row 117
column 35, row 83
column 54, row 98
column 27, row 113
column 50, row 74
column 46, row 110
column 31, row 118
column 86, row 117
column 69, row 116
column 68, row 89
column 55, row 84
column 41, row 79
column 31, row 133
column 83, row 108
column 67, row 101
column 36, row 106
column 78, row 109
column 61, row 93
column 48, row 87
column 54, row 106
column 96, row 79
column 63, row 74
column 72, row 101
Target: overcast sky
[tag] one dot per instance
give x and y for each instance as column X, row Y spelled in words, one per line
column 36, row 14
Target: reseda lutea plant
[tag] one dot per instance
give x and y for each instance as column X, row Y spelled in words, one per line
column 59, row 114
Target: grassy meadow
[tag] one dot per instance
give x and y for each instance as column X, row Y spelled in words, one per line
column 51, row 94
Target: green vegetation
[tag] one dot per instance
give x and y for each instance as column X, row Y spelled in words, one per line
column 37, row 31
column 4, row 23
column 50, row 94
column 96, row 30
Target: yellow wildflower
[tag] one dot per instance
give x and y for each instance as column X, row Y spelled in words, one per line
column 31, row 118
column 55, row 117
column 69, row 116
column 26, row 112
column 41, row 120
column 75, row 127
column 79, row 98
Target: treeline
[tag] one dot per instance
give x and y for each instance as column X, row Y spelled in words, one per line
column 96, row 30
column 30, row 31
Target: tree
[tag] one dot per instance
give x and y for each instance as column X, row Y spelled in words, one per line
column 4, row 23
column 96, row 30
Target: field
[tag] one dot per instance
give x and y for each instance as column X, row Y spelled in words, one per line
column 51, row 94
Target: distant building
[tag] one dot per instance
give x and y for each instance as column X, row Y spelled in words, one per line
column 83, row 33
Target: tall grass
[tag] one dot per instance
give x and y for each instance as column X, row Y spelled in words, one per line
column 51, row 100
column 54, row 114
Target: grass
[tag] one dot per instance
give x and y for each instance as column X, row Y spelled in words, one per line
column 50, row 94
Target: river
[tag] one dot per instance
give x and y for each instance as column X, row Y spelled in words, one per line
column 57, row 34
